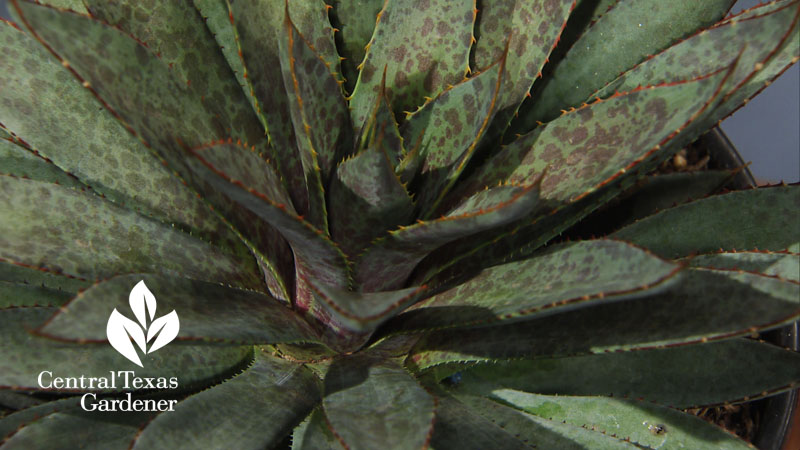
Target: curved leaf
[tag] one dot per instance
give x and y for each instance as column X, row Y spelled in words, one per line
column 254, row 409
column 389, row 261
column 207, row 311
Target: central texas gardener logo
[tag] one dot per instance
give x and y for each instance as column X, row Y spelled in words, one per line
column 123, row 332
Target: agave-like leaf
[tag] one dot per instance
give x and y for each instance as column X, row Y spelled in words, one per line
column 21, row 162
column 389, row 261
column 255, row 408
column 314, row 433
column 120, row 168
column 77, row 428
column 367, row 199
column 640, row 422
column 208, row 312
column 448, row 129
column 663, row 376
column 394, row 46
column 25, row 356
column 371, row 402
column 783, row 265
column 757, row 219
column 148, row 246
column 563, row 278
column 630, row 32
column 687, row 313
column 356, row 22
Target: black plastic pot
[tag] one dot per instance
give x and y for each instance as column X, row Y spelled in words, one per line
column 776, row 412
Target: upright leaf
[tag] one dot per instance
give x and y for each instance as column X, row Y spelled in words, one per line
column 314, row 98
column 356, row 22
column 367, row 199
column 448, row 129
column 531, row 28
column 259, row 25
column 429, row 38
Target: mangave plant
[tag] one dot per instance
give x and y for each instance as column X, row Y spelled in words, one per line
column 359, row 211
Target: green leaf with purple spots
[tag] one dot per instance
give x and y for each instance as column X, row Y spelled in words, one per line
column 533, row 27
column 380, row 128
column 630, row 32
column 589, row 154
column 563, row 278
column 448, row 129
column 71, row 5
column 752, row 38
column 389, row 261
column 319, row 114
column 367, row 199
column 762, row 219
column 93, row 238
column 256, row 409
column 362, row 312
column 216, row 15
column 26, row 355
column 177, row 33
column 40, row 97
column 689, row 312
column 424, row 47
column 259, row 27
column 371, row 401
column 208, row 312
column 722, row 372
column 243, row 166
column 627, row 419
column 356, row 22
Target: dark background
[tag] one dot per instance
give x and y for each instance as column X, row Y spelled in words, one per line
column 766, row 131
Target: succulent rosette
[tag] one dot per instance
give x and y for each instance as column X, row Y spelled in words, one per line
column 359, row 212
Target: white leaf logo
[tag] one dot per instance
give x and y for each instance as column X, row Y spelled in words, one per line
column 123, row 332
